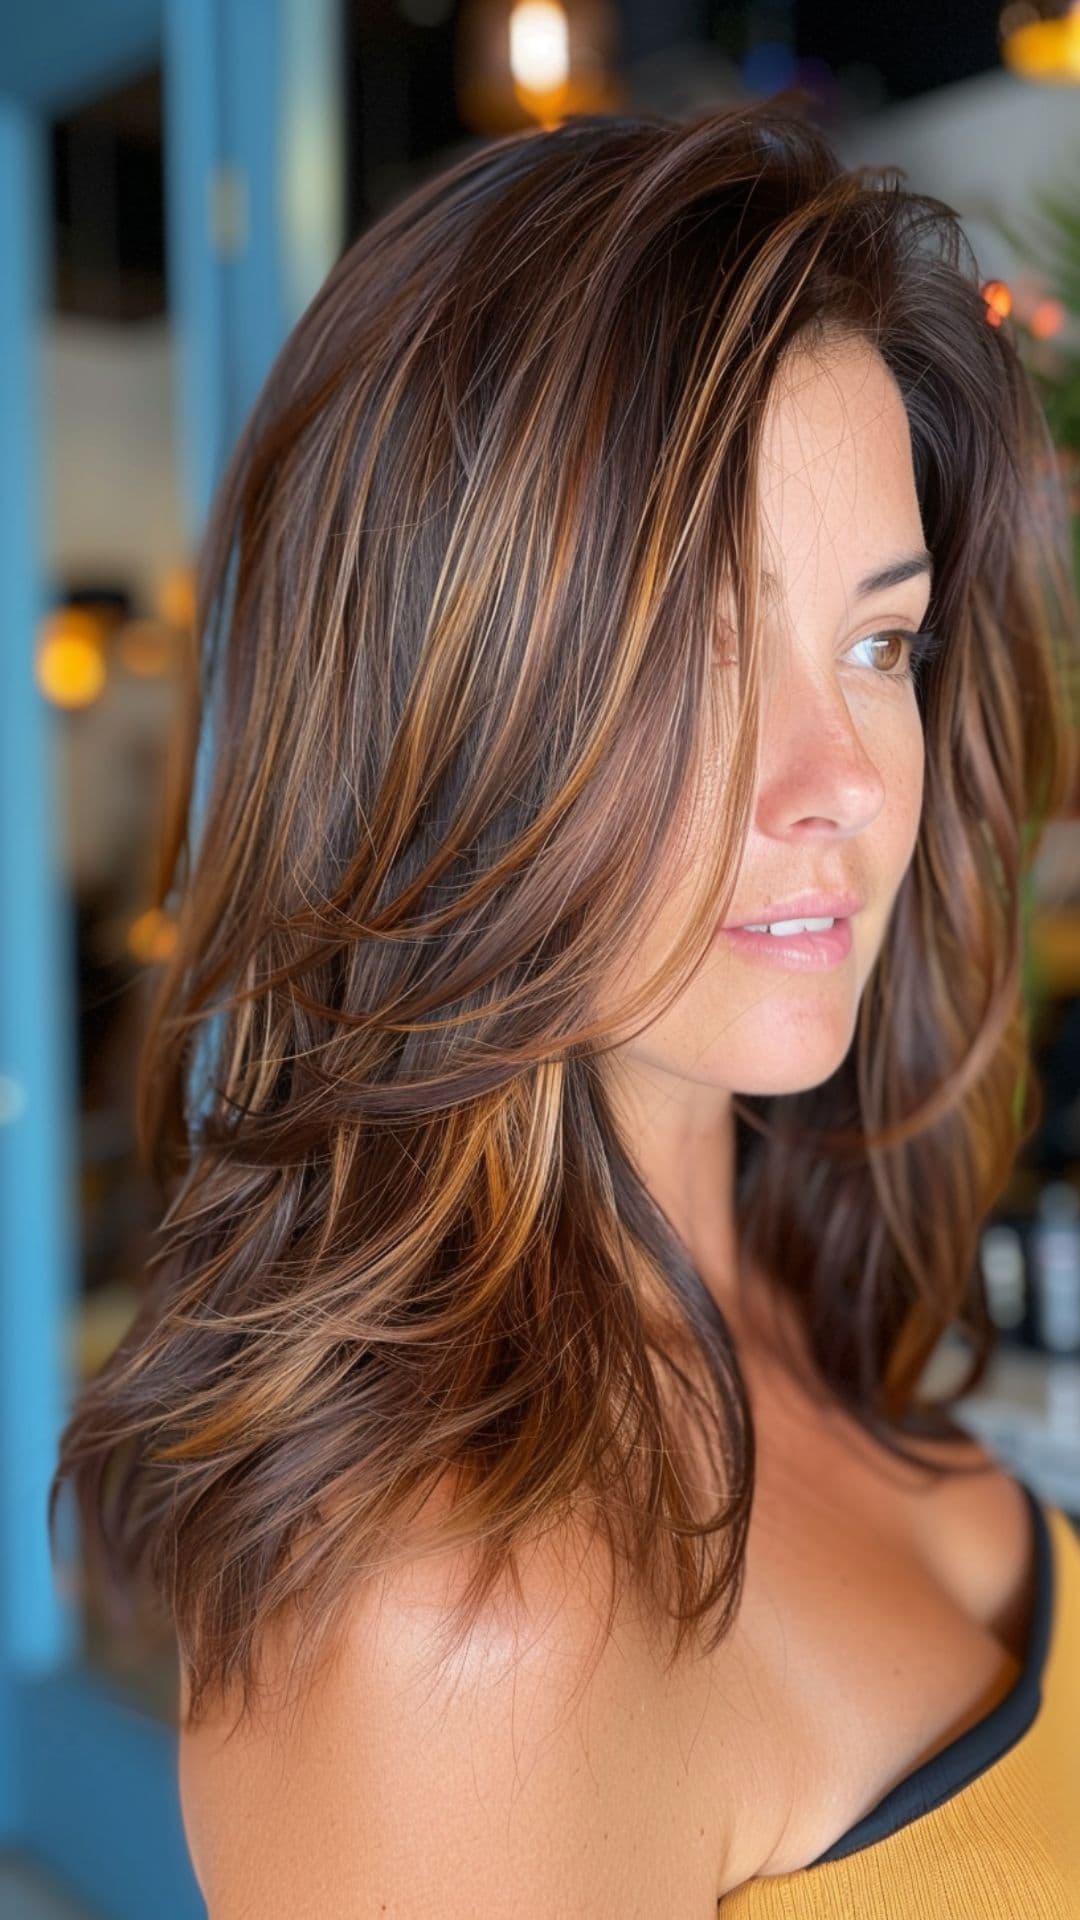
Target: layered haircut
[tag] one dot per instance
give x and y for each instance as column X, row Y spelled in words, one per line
column 458, row 619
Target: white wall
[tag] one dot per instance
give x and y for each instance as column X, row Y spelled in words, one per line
column 985, row 143
column 113, row 503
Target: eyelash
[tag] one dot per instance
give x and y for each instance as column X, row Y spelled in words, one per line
column 922, row 646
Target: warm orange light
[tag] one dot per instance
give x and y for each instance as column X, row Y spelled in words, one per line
column 1047, row 319
column 70, row 663
column 152, row 936
column 145, row 648
column 539, row 61
column 176, row 597
column 1042, row 49
column 998, row 298
column 539, row 45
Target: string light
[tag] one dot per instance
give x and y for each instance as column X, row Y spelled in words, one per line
column 999, row 301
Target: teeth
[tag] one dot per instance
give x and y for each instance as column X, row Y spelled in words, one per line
column 781, row 927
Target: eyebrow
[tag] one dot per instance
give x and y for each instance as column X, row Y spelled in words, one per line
column 905, row 567
column 897, row 571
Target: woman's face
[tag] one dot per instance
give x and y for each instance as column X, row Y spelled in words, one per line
column 840, row 770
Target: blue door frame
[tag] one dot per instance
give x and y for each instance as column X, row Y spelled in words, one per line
column 87, row 1781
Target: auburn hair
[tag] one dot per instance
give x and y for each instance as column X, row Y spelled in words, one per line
column 457, row 626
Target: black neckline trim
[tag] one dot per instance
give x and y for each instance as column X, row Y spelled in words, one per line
column 973, row 1751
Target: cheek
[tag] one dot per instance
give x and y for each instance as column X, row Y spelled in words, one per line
column 894, row 836
column 910, row 783
column 898, row 748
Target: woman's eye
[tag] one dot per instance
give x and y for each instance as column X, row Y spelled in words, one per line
column 901, row 654
column 896, row 653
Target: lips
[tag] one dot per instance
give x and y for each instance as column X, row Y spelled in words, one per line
column 801, row 906
column 805, row 952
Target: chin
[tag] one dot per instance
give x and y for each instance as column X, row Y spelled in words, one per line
column 789, row 1054
column 788, row 1079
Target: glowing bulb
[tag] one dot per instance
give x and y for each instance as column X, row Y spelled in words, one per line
column 539, row 45
column 70, row 663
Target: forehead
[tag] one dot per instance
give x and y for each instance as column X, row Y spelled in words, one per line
column 836, row 479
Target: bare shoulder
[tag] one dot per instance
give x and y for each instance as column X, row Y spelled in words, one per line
column 975, row 1532
column 545, row 1768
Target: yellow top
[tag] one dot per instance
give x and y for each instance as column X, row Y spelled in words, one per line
column 1002, row 1844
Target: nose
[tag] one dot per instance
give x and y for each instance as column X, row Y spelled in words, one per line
column 816, row 774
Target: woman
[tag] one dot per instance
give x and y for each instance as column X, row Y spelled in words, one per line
column 643, row 536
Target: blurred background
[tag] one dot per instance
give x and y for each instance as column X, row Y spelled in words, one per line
column 176, row 179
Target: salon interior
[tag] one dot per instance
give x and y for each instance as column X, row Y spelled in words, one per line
column 176, row 179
